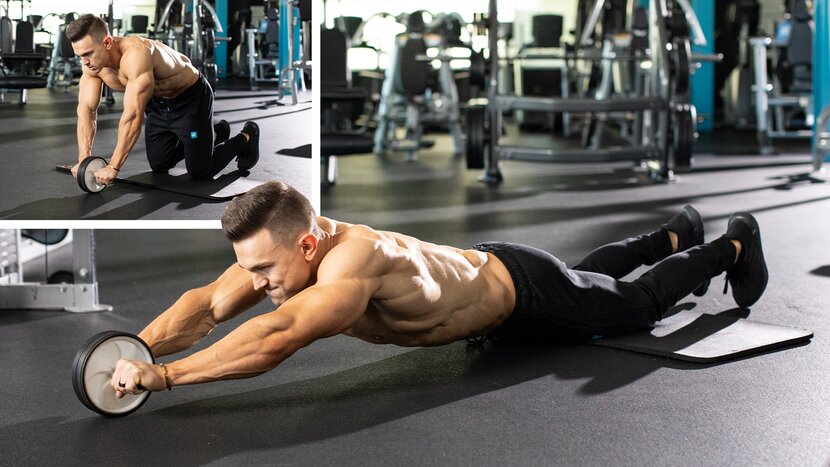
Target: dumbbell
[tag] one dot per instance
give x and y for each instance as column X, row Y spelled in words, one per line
column 93, row 368
column 86, row 174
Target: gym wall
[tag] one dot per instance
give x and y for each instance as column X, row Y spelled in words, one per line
column 122, row 9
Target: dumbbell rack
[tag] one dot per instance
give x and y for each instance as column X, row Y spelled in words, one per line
column 81, row 296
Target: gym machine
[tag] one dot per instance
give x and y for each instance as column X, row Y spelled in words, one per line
column 821, row 97
column 195, row 38
column 792, row 84
column 822, row 144
column 737, row 22
column 537, row 72
column 666, row 142
column 79, row 296
column 290, row 64
column 283, row 51
column 266, row 56
column 407, row 101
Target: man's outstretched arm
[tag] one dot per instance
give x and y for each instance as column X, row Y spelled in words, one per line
column 262, row 343
column 198, row 311
column 345, row 284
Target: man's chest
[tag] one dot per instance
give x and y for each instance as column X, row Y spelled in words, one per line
column 115, row 80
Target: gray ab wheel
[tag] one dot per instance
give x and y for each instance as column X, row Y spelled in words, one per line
column 86, row 174
column 93, row 367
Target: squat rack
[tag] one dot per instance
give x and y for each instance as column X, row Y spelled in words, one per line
column 80, row 296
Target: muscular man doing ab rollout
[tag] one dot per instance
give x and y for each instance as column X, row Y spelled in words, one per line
column 162, row 84
column 328, row 277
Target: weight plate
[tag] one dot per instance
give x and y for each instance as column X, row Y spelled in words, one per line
column 678, row 25
column 684, row 133
column 86, row 174
column 211, row 75
column 93, row 367
column 478, row 70
column 475, row 137
column 682, row 58
column 209, row 46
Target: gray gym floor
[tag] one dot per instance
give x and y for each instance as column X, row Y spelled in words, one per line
column 345, row 402
column 578, row 405
column 42, row 134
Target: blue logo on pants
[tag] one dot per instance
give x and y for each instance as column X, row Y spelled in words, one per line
column 193, row 135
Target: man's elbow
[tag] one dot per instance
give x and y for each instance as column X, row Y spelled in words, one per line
column 87, row 113
column 132, row 115
column 282, row 340
column 275, row 350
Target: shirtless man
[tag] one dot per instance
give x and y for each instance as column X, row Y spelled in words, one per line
column 328, row 277
column 163, row 84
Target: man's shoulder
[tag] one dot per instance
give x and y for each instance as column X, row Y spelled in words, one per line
column 135, row 48
column 137, row 42
column 355, row 243
column 357, row 252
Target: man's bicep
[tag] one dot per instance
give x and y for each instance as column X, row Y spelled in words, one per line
column 326, row 310
column 138, row 68
column 89, row 92
column 232, row 293
column 138, row 91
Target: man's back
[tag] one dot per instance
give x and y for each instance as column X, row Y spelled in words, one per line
column 426, row 294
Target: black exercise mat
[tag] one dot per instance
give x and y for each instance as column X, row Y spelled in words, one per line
column 299, row 151
column 223, row 188
column 703, row 338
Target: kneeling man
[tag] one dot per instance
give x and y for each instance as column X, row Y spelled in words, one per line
column 163, row 84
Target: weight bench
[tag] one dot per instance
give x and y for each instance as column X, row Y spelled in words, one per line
column 332, row 146
column 340, row 104
column 19, row 69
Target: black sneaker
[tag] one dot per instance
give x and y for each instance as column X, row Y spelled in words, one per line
column 223, row 131
column 749, row 275
column 250, row 155
column 688, row 226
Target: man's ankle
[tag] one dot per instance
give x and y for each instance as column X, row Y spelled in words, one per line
column 674, row 241
column 737, row 245
column 246, row 135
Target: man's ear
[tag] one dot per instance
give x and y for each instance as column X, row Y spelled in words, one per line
column 108, row 42
column 308, row 245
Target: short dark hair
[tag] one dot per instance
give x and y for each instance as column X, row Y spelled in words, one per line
column 87, row 24
column 275, row 206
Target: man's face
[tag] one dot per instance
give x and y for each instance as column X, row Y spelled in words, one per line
column 281, row 269
column 93, row 54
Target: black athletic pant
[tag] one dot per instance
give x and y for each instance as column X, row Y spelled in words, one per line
column 182, row 128
column 558, row 304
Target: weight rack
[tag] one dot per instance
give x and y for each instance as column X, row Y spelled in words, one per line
column 81, row 296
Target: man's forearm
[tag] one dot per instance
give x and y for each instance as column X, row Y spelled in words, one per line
column 129, row 128
column 256, row 347
column 181, row 326
column 87, row 125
